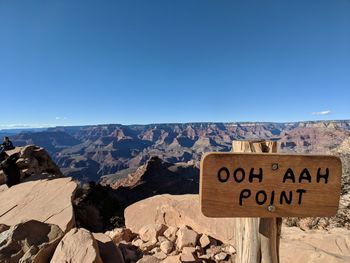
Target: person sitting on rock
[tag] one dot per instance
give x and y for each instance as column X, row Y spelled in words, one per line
column 7, row 144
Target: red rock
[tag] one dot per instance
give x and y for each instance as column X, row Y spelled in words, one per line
column 31, row 241
column 186, row 238
column 78, row 245
column 48, row 201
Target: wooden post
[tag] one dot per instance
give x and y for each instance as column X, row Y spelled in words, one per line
column 257, row 240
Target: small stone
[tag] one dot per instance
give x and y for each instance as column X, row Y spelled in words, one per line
column 188, row 250
column 204, row 241
column 148, row 246
column 172, row 259
column 213, row 242
column 186, row 238
column 160, row 255
column 155, row 250
column 137, row 242
column 220, row 256
column 200, row 251
column 121, row 234
column 170, row 233
column 151, row 232
column 162, row 239
column 187, row 258
column 167, row 246
column 175, row 252
column 148, row 259
column 213, row 250
column 229, row 249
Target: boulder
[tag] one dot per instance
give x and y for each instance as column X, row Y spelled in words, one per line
column 186, row 238
column 48, row 201
column 108, row 251
column 78, row 245
column 178, row 211
column 31, row 241
column 315, row 246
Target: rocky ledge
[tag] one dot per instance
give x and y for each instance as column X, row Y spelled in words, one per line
column 33, row 161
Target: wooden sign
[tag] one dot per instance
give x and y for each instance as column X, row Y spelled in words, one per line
column 269, row 185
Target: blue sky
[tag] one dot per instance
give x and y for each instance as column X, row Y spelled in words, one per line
column 150, row 61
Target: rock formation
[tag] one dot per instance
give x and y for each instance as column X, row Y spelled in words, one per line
column 31, row 241
column 48, row 201
column 78, row 245
column 33, row 162
column 156, row 177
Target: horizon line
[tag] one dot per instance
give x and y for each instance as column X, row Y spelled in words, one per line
column 28, row 127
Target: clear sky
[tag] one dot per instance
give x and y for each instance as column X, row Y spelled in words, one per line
column 150, row 61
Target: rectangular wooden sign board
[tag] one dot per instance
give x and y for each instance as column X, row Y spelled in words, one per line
column 269, row 185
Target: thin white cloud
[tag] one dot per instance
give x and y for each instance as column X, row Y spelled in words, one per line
column 25, row 126
column 16, row 126
column 325, row 112
column 61, row 118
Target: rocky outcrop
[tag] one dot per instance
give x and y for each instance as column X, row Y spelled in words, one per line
column 48, row 201
column 31, row 241
column 156, row 177
column 78, row 245
column 178, row 211
column 34, row 162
